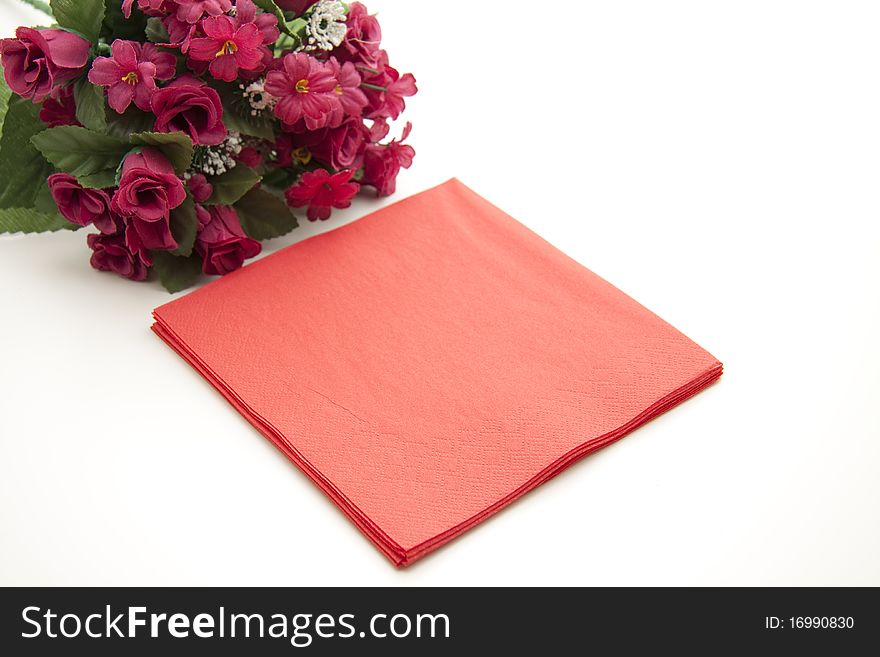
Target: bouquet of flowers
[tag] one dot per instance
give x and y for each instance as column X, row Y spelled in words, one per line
column 184, row 131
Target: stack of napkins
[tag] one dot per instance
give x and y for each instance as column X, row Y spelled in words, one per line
column 430, row 363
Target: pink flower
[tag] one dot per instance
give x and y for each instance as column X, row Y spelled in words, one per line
column 149, row 7
column 38, row 61
column 348, row 89
column 382, row 163
column 181, row 33
column 221, row 241
column 131, row 73
column 191, row 11
column 190, row 106
column 322, row 192
column 200, row 188
column 388, row 102
column 228, row 48
column 59, row 108
column 246, row 12
column 79, row 205
column 148, row 191
column 361, row 44
column 112, row 253
column 306, row 89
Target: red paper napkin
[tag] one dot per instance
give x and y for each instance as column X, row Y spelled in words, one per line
column 432, row 362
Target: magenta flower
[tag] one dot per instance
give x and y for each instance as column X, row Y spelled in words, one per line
column 112, row 253
column 348, row 89
column 221, row 241
column 59, row 108
column 363, row 39
column 190, row 106
column 296, row 6
column 191, row 11
column 388, row 100
column 149, row 7
column 382, row 163
column 228, row 48
column 79, row 205
column 246, row 12
column 131, row 73
column 148, row 191
column 199, row 187
column 306, row 89
column 36, row 62
column 322, row 192
column 341, row 147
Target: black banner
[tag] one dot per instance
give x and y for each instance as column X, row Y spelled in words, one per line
column 432, row 621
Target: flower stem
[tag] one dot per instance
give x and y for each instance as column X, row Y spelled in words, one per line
column 39, row 5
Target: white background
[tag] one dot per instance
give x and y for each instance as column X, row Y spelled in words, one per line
column 717, row 161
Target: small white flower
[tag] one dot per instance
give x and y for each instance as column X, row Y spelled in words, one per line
column 257, row 96
column 326, row 28
column 217, row 160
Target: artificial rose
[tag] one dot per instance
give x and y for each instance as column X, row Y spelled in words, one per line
column 382, row 163
column 221, row 241
column 148, row 191
column 296, row 6
column 190, row 106
column 342, row 147
column 37, row 61
column 199, row 187
column 59, row 108
column 363, row 39
column 111, row 253
column 80, row 205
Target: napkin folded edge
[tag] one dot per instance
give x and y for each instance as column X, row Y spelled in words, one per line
column 398, row 555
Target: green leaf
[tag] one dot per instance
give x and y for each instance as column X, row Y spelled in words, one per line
column 264, row 216
column 270, row 7
column 80, row 151
column 280, row 178
column 122, row 126
column 5, row 94
column 101, row 180
column 176, row 273
column 91, row 110
column 23, row 220
column 248, row 125
column 156, row 31
column 184, row 226
column 117, row 26
column 176, row 146
column 82, row 16
column 44, row 201
column 237, row 114
column 232, row 185
column 22, row 168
